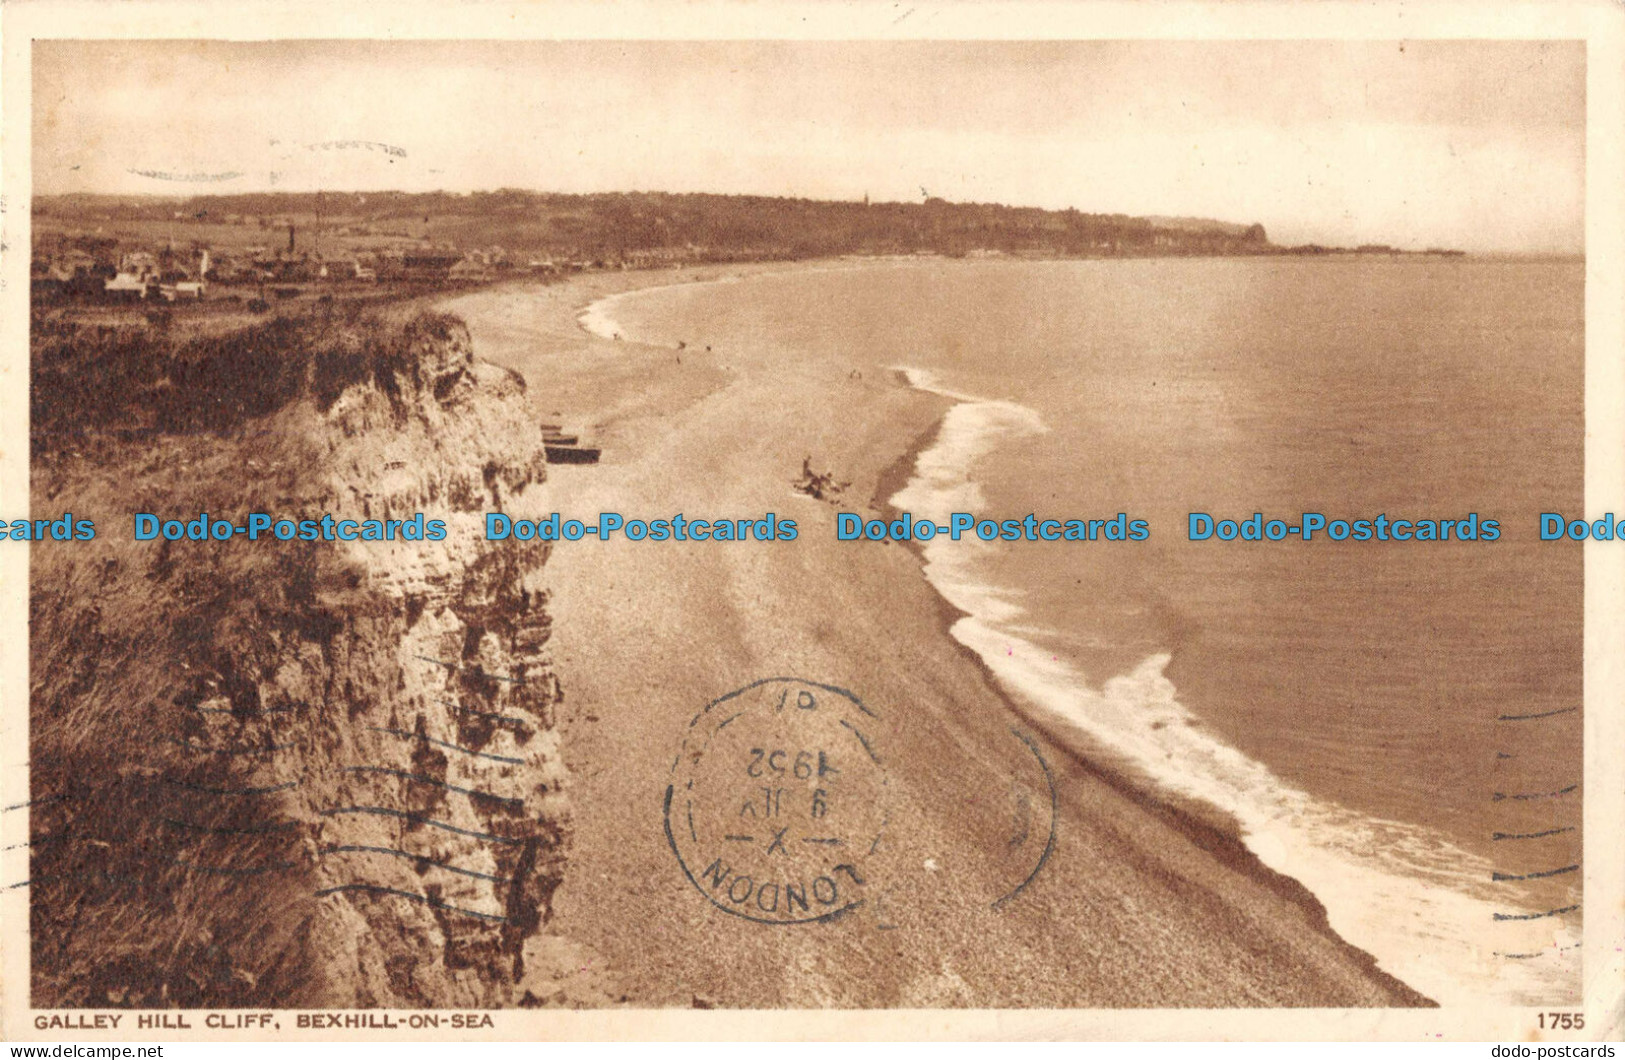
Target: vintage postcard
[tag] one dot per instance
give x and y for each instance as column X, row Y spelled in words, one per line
column 1079, row 520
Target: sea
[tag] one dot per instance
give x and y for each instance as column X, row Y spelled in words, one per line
column 1396, row 725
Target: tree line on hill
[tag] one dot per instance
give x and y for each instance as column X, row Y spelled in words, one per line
column 652, row 226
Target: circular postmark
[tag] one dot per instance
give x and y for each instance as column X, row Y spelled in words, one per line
column 777, row 798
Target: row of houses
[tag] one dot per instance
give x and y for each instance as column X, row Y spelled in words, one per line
column 100, row 269
column 130, row 276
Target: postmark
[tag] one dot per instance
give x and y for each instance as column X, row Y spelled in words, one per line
column 1033, row 808
column 777, row 800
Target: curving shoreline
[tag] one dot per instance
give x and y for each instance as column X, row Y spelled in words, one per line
column 645, row 634
column 1219, row 831
column 1356, row 873
column 1400, row 892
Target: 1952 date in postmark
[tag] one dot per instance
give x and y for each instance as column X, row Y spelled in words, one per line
column 777, row 798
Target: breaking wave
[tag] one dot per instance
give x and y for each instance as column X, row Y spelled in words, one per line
column 1421, row 906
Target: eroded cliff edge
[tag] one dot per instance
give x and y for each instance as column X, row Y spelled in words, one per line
column 290, row 773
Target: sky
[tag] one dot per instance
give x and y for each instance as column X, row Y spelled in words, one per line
column 1478, row 145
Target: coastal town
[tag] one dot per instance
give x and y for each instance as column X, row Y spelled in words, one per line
column 96, row 268
column 253, row 251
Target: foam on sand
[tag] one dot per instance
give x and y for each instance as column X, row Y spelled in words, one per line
column 1423, row 907
column 598, row 317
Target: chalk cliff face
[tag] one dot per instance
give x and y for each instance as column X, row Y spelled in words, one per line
column 291, row 773
column 443, row 777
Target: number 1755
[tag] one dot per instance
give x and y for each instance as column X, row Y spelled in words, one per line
column 1562, row 1021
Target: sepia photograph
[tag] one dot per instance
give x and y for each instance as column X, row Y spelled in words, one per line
column 549, row 524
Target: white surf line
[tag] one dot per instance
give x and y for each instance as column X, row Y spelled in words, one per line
column 1421, row 906
column 595, row 318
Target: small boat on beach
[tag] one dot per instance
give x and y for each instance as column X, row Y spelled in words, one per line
column 566, row 448
column 571, row 454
